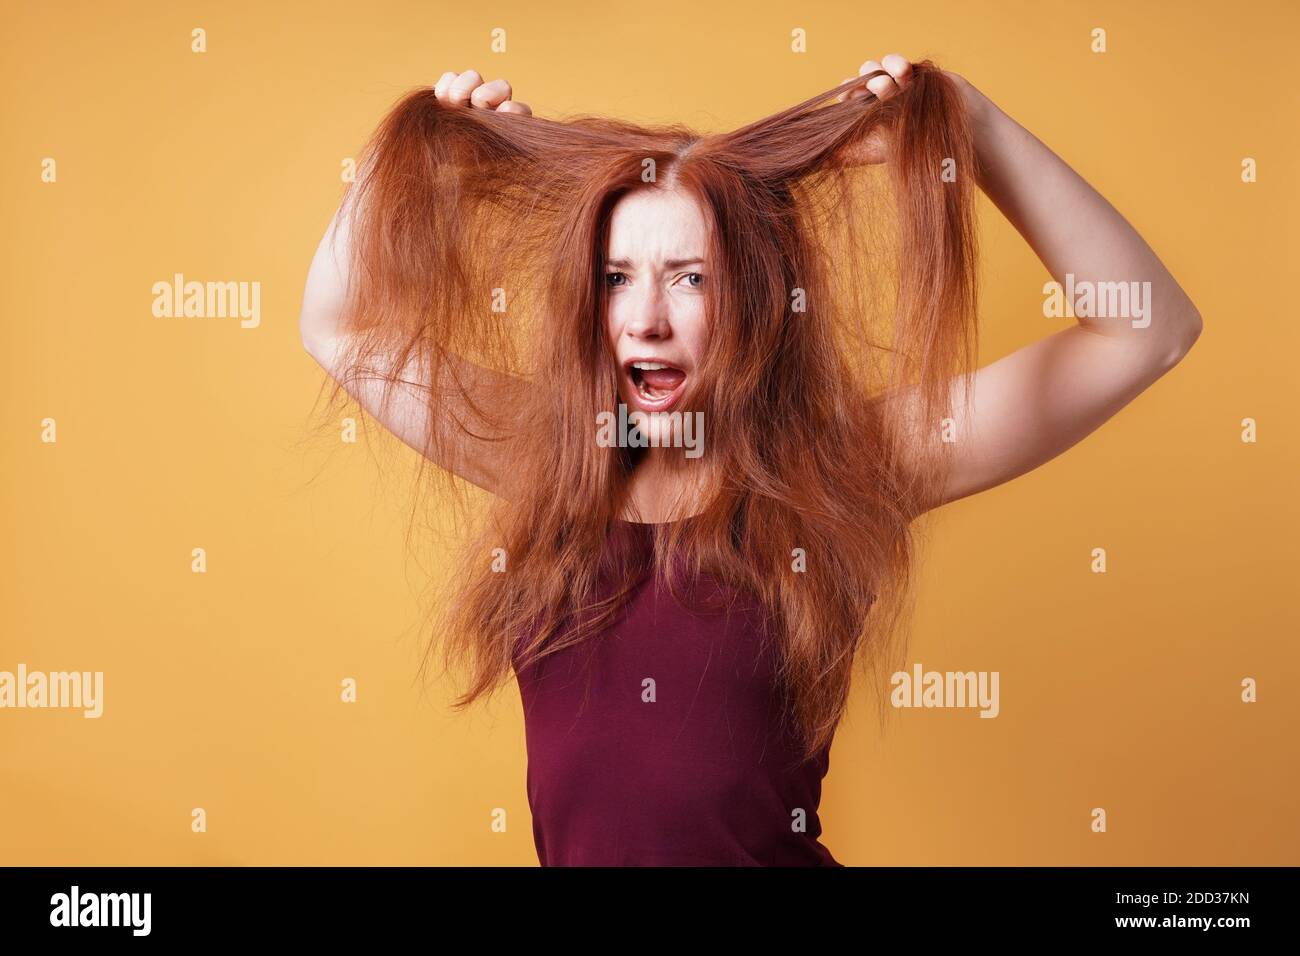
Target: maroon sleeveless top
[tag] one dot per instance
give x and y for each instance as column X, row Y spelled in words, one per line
column 658, row 741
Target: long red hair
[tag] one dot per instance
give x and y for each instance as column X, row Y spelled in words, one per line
column 831, row 285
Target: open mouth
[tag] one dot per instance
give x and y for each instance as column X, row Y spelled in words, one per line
column 655, row 385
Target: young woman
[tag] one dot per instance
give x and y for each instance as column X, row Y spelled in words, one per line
column 785, row 314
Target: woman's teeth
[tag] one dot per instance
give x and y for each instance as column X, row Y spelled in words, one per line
column 655, row 381
column 644, row 388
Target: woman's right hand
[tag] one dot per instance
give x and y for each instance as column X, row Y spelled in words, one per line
column 468, row 89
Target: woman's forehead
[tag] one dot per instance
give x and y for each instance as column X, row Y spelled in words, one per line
column 657, row 225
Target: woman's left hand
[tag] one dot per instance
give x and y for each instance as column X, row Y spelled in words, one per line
column 898, row 73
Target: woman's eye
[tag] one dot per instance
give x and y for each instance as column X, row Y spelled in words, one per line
column 695, row 275
column 611, row 276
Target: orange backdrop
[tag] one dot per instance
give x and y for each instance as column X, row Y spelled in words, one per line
column 1120, row 690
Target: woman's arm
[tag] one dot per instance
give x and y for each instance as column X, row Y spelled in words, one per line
column 405, row 409
column 1032, row 405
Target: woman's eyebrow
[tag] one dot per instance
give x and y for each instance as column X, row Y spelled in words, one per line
column 670, row 264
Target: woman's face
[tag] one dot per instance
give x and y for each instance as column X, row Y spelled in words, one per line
column 656, row 278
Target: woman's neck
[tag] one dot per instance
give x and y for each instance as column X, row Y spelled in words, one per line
column 662, row 490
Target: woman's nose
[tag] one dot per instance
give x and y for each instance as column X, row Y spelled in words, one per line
column 649, row 317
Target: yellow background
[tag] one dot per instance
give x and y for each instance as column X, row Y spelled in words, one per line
column 1119, row 690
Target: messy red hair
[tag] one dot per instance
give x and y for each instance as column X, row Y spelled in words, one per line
column 831, row 285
